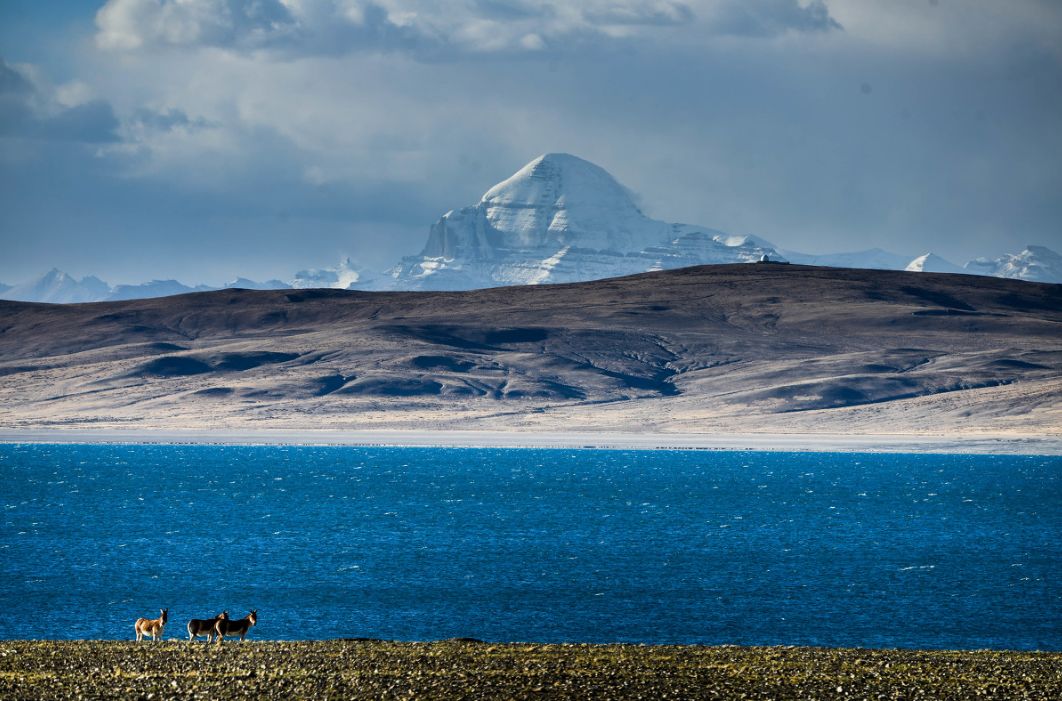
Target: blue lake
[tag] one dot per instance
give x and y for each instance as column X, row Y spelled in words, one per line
column 925, row 551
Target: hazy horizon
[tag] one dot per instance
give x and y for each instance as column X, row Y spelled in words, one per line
column 210, row 139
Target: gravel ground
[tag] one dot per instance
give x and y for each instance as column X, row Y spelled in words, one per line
column 474, row 670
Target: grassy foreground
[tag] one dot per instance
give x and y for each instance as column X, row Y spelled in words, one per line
column 472, row 670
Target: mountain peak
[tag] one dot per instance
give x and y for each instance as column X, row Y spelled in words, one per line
column 59, row 287
column 1037, row 263
column 345, row 276
column 932, row 263
column 55, row 274
column 562, row 181
column 560, row 218
column 560, row 200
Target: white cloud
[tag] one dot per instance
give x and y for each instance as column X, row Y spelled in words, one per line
column 124, row 23
column 532, row 42
column 134, row 24
column 74, row 93
column 431, row 29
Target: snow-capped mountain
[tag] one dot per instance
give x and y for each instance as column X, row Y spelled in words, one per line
column 154, row 288
column 57, row 287
column 560, row 219
column 1036, row 263
column 932, row 263
column 246, row 284
column 345, row 276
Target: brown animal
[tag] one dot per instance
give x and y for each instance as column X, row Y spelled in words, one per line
column 152, row 626
column 205, row 626
column 226, row 627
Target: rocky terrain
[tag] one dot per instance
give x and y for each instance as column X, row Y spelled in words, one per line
column 473, row 670
column 743, row 348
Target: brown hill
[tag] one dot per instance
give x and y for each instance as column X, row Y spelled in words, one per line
column 734, row 347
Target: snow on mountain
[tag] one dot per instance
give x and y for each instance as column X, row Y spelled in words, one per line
column 932, row 263
column 57, row 287
column 154, row 288
column 560, row 219
column 345, row 276
column 693, row 245
column 243, row 283
column 874, row 258
column 560, row 200
column 1036, row 263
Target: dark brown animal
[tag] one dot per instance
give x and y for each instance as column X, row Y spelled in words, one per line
column 226, row 627
column 205, row 626
column 152, row 626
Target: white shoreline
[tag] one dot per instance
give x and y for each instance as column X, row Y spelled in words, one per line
column 982, row 444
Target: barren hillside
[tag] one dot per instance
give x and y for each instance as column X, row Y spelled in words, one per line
column 733, row 347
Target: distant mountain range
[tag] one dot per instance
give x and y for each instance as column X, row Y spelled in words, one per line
column 558, row 219
column 57, row 287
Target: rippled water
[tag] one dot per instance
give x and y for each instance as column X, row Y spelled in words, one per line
column 542, row 545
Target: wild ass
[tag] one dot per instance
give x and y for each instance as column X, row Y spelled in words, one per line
column 226, row 627
column 152, row 626
column 205, row 626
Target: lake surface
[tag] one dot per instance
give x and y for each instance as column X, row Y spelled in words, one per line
column 925, row 551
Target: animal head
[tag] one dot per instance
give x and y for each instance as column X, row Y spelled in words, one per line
column 254, row 617
column 224, row 616
column 165, row 615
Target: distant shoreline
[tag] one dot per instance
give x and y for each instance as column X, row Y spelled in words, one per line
column 984, row 444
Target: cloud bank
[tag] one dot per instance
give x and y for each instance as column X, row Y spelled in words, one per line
column 204, row 139
column 436, row 30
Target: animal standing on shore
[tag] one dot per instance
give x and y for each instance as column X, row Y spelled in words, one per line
column 205, row 626
column 152, row 626
column 226, row 627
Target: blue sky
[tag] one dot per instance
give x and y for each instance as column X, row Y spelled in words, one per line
column 205, row 139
